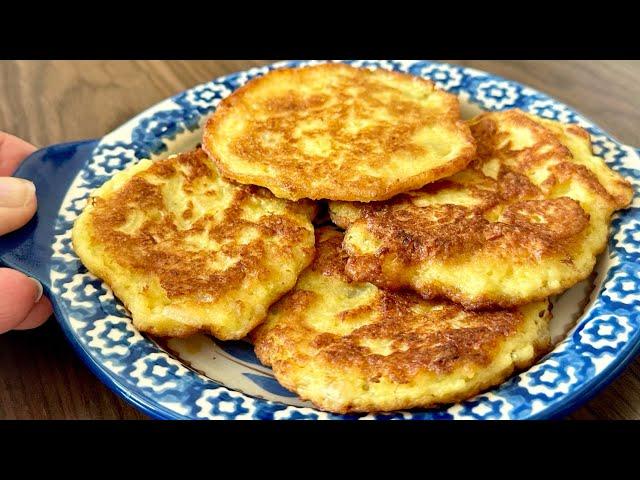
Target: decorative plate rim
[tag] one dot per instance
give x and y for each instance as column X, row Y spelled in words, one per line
column 158, row 397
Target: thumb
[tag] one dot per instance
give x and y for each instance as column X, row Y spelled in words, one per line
column 17, row 203
column 19, row 295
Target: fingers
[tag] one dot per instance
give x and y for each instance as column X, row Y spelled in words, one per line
column 37, row 316
column 19, row 295
column 17, row 197
column 22, row 305
column 17, row 203
column 12, row 151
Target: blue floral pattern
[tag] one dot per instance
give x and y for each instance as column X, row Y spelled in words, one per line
column 131, row 364
column 447, row 77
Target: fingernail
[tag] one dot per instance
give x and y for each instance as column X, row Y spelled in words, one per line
column 39, row 290
column 16, row 192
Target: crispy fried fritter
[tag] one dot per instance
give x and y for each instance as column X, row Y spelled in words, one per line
column 352, row 347
column 337, row 132
column 524, row 221
column 187, row 251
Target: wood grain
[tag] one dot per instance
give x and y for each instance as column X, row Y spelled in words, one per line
column 49, row 102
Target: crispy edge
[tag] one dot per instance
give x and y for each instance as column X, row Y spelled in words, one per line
column 294, row 192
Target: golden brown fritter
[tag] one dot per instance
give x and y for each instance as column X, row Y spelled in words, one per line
column 187, row 251
column 524, row 221
column 337, row 132
column 352, row 347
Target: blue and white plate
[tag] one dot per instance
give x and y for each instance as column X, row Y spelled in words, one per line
column 596, row 324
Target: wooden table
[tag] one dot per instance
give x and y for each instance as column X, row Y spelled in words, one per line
column 49, row 102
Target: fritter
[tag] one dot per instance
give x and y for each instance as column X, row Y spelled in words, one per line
column 187, row 251
column 352, row 347
column 333, row 131
column 524, row 221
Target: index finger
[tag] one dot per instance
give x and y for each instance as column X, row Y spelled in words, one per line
column 13, row 151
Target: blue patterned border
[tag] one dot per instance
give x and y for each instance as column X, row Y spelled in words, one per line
column 603, row 341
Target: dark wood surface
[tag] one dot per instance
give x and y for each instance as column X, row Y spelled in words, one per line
column 49, row 102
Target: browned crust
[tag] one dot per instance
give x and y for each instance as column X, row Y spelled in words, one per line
column 437, row 341
column 159, row 248
column 484, row 130
column 513, row 219
column 370, row 188
column 413, row 234
column 541, row 349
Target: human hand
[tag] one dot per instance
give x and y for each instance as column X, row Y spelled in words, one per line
column 22, row 305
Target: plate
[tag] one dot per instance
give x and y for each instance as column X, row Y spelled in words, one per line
column 596, row 324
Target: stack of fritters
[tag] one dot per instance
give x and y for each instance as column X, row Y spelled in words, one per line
column 524, row 221
column 455, row 235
